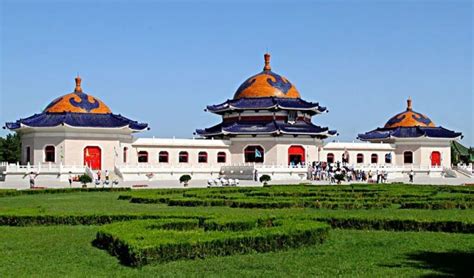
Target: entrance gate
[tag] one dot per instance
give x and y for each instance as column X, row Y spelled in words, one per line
column 296, row 155
column 435, row 159
column 93, row 157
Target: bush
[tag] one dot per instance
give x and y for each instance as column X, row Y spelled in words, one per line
column 265, row 179
column 185, row 179
column 85, row 179
column 339, row 177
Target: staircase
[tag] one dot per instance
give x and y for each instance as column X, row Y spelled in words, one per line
column 450, row 173
column 463, row 172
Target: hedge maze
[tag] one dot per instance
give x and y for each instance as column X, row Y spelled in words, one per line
column 327, row 197
column 140, row 242
column 142, row 227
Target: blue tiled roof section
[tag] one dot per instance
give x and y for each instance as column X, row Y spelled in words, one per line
column 265, row 128
column 409, row 132
column 77, row 120
column 266, row 103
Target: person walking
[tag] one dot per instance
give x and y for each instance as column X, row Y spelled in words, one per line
column 411, row 175
column 107, row 177
column 32, row 177
column 69, row 178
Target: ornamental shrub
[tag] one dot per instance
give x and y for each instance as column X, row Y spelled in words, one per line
column 185, row 179
column 265, row 179
column 339, row 177
column 85, row 179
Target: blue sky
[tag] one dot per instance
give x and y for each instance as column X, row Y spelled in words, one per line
column 163, row 62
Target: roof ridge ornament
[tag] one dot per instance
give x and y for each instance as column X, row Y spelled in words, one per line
column 267, row 66
column 78, row 88
column 409, row 104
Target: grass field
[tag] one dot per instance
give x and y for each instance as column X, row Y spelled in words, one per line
column 368, row 242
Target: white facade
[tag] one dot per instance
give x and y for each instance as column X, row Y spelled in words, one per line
column 120, row 151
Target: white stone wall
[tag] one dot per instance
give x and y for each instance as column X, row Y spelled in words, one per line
column 276, row 148
column 422, row 151
column 354, row 148
column 174, row 147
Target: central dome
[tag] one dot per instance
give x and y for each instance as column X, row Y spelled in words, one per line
column 266, row 84
column 77, row 102
column 409, row 118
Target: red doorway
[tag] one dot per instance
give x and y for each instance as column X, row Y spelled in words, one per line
column 93, row 157
column 435, row 159
column 296, row 155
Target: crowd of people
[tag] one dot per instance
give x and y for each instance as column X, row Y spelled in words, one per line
column 338, row 171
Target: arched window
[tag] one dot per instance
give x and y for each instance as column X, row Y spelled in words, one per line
column 296, row 155
column 28, row 154
column 408, row 157
column 183, row 157
column 125, row 150
column 330, row 158
column 254, row 154
column 388, row 158
column 360, row 158
column 49, row 154
column 143, row 157
column 374, row 158
column 163, row 157
column 345, row 157
column 221, row 157
column 202, row 157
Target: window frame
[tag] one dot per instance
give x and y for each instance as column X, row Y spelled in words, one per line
column 46, row 152
column 125, row 150
column 405, row 157
column 360, row 158
column 248, row 154
column 376, row 156
column 183, row 154
column 163, row 154
column 141, row 154
column 28, row 154
column 204, row 155
column 220, row 155
column 332, row 158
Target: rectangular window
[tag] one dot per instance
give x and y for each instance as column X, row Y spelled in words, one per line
column 292, row 116
column 163, row 157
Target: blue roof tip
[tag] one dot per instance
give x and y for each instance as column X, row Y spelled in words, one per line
column 408, row 132
column 77, row 120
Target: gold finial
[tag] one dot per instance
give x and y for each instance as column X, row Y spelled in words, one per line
column 409, row 104
column 78, row 84
column 267, row 62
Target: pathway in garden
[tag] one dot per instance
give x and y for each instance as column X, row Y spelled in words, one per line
column 203, row 183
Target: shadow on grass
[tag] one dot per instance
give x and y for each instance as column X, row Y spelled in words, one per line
column 451, row 263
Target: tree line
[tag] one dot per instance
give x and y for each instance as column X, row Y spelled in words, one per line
column 10, row 148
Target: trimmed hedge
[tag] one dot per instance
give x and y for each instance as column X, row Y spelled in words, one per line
column 437, row 205
column 32, row 220
column 137, row 243
column 261, row 203
column 399, row 225
column 328, row 197
column 10, row 193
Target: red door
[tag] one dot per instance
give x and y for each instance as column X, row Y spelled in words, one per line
column 296, row 155
column 435, row 159
column 93, row 157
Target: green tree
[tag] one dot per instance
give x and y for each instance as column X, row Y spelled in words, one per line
column 10, row 148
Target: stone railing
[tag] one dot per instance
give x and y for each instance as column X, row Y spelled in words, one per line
column 41, row 168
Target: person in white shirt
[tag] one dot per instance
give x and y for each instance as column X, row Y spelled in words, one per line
column 32, row 177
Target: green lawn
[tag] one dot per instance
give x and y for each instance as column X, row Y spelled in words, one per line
column 46, row 249
column 67, row 250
